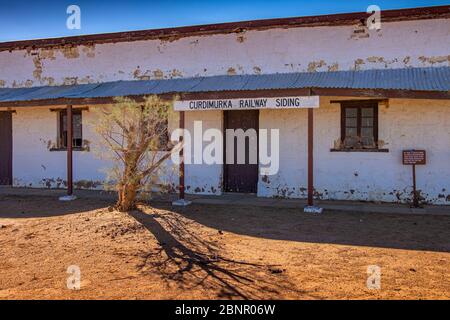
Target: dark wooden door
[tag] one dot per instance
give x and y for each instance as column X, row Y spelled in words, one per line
column 241, row 177
column 5, row 148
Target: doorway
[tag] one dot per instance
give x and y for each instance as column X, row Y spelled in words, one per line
column 5, row 148
column 240, row 177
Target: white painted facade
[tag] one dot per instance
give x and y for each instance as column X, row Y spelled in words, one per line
column 36, row 164
column 419, row 43
column 371, row 176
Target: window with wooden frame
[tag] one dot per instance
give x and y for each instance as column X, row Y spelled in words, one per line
column 77, row 135
column 359, row 125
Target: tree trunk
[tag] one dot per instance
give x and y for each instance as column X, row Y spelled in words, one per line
column 127, row 197
column 128, row 187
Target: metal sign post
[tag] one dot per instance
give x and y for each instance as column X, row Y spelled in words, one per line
column 413, row 158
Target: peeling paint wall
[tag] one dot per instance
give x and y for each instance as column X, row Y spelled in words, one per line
column 398, row 44
column 203, row 178
column 338, row 175
column 366, row 176
column 36, row 166
column 370, row 176
column 292, row 126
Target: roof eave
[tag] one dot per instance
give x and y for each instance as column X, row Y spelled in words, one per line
column 365, row 93
column 436, row 12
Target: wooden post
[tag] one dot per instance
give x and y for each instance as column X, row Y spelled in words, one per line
column 181, row 201
column 181, row 183
column 415, row 197
column 69, row 151
column 310, row 157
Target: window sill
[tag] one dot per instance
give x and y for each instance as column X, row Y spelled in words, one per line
column 359, row 150
column 73, row 149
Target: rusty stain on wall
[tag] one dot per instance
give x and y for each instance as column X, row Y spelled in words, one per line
column 46, row 54
column 375, row 59
column 138, row 75
column 38, row 68
column 333, row 67
column 240, row 38
column 176, row 73
column 50, row 81
column 136, row 72
column 257, row 70
column 434, row 60
column 314, row 65
column 360, row 32
column 406, row 60
column 158, row 74
column 85, row 80
column 231, row 71
column 89, row 50
column 27, row 84
column 70, row 52
column 70, row 81
column 358, row 63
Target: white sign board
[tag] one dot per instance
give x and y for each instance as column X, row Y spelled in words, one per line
column 246, row 104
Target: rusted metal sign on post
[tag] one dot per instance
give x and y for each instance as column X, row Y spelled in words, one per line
column 413, row 158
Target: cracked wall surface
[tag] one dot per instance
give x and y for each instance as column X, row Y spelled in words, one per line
column 420, row 43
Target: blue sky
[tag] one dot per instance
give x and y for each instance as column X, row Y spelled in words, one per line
column 44, row 19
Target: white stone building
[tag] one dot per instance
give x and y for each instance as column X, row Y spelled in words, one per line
column 379, row 92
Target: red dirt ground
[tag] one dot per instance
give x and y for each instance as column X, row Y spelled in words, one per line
column 217, row 252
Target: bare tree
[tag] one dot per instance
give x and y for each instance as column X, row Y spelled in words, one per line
column 136, row 135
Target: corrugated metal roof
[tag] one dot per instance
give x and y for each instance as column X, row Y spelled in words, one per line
column 422, row 79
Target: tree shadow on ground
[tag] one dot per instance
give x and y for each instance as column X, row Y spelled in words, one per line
column 383, row 230
column 192, row 260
